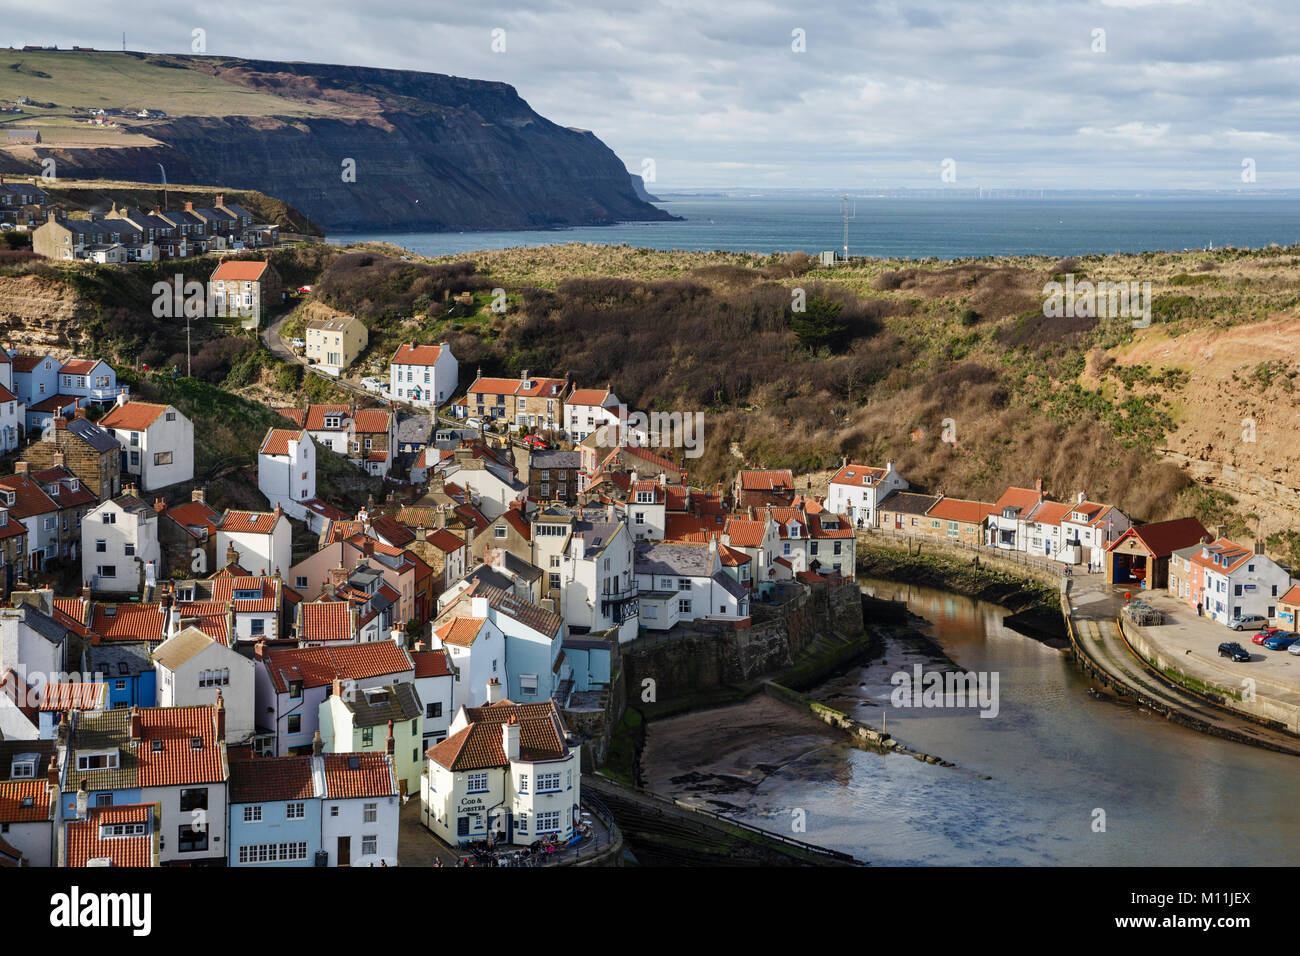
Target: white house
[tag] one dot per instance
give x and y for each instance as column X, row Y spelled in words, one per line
column 587, row 559
column 359, row 810
column 1230, row 580
column 588, row 409
column 192, row 669
column 679, row 583
column 492, row 488
column 476, row 651
column 157, row 442
column 1088, row 529
column 33, row 645
column 263, row 540
column 508, row 769
column 12, row 417
column 423, row 375
column 857, row 490
column 286, row 470
column 647, row 508
column 434, row 683
column 119, row 546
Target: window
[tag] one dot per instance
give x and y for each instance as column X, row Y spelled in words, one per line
column 554, row 582
column 295, row 690
column 194, row 798
column 521, row 823
column 101, row 546
column 295, row 811
column 548, row 782
column 135, row 458
column 106, row 761
column 258, row 625
column 683, row 606
column 272, row 852
column 367, row 736
column 499, row 531
column 369, row 845
column 528, row 684
column 107, row 571
column 294, row 724
column 683, row 584
column 162, row 458
column 523, row 783
column 370, row 813
column 119, row 685
column 253, row 814
column 548, row 822
column 300, row 581
column 477, row 783
column 108, row 517
column 192, row 839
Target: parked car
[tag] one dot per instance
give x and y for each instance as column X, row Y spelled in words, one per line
column 536, row 441
column 1233, row 650
column 1243, row 621
column 1265, row 634
column 299, row 343
column 474, row 423
column 372, row 384
column 1283, row 641
column 1294, row 649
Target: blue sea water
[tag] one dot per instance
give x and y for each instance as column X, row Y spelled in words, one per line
column 913, row 228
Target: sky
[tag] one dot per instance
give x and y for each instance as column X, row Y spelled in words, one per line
column 1093, row 94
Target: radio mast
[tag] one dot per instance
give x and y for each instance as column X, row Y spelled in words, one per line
column 845, row 204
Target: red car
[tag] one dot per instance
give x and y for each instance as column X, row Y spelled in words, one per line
column 1265, row 634
column 535, row 441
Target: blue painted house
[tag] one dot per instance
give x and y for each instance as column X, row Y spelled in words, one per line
column 275, row 810
column 127, row 670
column 534, row 656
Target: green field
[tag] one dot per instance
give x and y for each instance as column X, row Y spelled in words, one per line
column 106, row 79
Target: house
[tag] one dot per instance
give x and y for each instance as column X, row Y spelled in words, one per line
column 330, row 426
column 262, row 541
column 286, row 470
column 329, row 620
column 85, row 449
column 423, row 375
column 275, row 810
column 475, row 649
column 523, row 402
column 553, row 476
column 510, row 531
column 434, row 682
column 193, row 669
column 123, row 836
column 28, row 801
column 22, row 498
column 587, row 409
column 383, row 719
column 245, row 289
column 1088, row 530
column 57, row 699
column 157, row 442
column 1287, row 606
column 958, row 520
column 187, row 535
column 647, row 508
column 293, row 682
column 534, row 635
column 41, row 415
column 120, row 551
column 507, row 769
column 492, row 486
column 758, row 538
column 408, row 575
column 587, row 557
column 359, row 810
column 172, row 756
column 448, row 558
column 127, row 622
column 904, row 512
column 73, row 500
column 249, row 606
column 758, row 489
column 128, row 672
column 35, row 377
column 679, row 583
column 91, row 379
column 856, row 491
column 373, row 440
column 1009, row 521
column 13, row 422
column 13, row 550
column 334, row 343
column 1145, row 555
column 1229, row 580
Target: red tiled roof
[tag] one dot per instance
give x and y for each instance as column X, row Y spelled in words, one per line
column 372, row 777
column 178, row 762
column 223, row 592
column 460, row 631
column 392, row 530
column 71, row 612
column 746, row 532
column 29, row 498
column 371, row 421
column 249, row 522
column 494, row 386
column 416, row 355
column 315, row 420
column 55, row 403
column 128, row 622
column 296, row 415
column 431, row 664
column 27, row 363
column 84, row 843
column 277, row 440
column 12, row 794
column 242, row 270
column 852, row 474
column 318, row 666
column 327, row 621
column 479, row 745
column 959, row 509
column 194, row 514
column 133, row 416
column 78, row 366
column 780, row 480
column 1023, row 499
column 1049, row 512
column 444, row 540
column 74, row 696
column 588, row 396
column 5, row 394
column 515, row 518
column 1231, row 555
column 268, row 779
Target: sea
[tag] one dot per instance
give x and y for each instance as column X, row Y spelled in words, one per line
column 911, row 228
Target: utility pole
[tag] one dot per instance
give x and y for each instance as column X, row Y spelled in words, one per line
column 844, row 204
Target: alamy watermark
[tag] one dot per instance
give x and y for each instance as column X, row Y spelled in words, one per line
column 946, row 689
column 1101, row 300
column 683, row 430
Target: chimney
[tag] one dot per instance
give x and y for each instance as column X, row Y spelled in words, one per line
column 232, row 556
column 160, row 505
column 1259, row 546
column 495, row 692
column 478, row 606
column 510, row 738
column 79, row 412
column 197, row 495
column 317, row 745
column 420, row 647
column 121, row 399
column 1083, row 496
column 189, row 206
column 137, row 724
column 52, row 774
column 440, row 519
column 336, row 688
column 392, row 744
column 20, row 468
column 259, row 650
column 1038, row 487
column 1223, row 529
column 220, row 718
column 221, row 200
column 60, row 424
column 83, row 800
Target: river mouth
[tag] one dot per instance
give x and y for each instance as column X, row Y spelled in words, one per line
column 1057, row 776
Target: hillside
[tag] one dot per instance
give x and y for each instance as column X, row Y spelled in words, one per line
column 426, row 151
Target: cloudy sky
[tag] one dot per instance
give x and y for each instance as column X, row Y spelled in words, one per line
column 853, row 95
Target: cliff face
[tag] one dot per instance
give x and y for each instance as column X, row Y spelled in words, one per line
column 430, row 152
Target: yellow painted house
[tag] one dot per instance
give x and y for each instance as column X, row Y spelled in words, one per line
column 333, row 344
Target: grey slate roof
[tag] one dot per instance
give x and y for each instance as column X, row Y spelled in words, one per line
column 682, row 560
column 525, row 612
column 908, row 503
column 107, row 659
column 730, row 585
column 555, row 459
column 94, row 436
column 43, row 624
column 400, row 702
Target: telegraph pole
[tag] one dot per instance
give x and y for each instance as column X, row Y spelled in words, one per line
column 844, row 203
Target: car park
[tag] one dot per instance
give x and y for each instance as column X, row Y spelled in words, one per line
column 1282, row 642
column 1233, row 650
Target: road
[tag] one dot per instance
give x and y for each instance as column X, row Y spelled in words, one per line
column 272, row 339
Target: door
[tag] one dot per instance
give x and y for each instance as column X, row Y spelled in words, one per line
column 345, row 851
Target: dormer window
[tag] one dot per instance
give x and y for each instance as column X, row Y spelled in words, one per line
column 23, row 767
column 333, row 421
column 155, row 746
column 196, row 743
column 8, row 496
column 248, row 594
